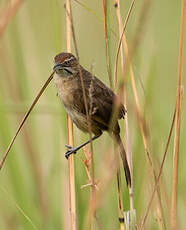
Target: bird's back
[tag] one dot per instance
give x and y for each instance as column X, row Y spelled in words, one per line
column 99, row 98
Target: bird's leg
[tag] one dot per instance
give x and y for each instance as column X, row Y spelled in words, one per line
column 74, row 150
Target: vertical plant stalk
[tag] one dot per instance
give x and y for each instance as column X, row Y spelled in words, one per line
column 143, row 133
column 120, row 206
column 105, row 22
column 173, row 218
column 120, row 41
column 92, row 194
column 121, row 32
column 128, row 149
column 159, row 175
column 72, row 193
column 138, row 110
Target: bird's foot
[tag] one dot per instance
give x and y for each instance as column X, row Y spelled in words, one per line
column 70, row 151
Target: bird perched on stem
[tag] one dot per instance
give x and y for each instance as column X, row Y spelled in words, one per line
column 89, row 102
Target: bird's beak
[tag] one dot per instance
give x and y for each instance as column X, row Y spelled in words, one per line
column 57, row 66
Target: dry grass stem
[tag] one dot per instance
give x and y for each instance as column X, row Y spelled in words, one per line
column 72, row 192
column 128, row 149
column 107, row 170
column 18, row 98
column 24, row 119
column 141, row 121
column 173, row 217
column 120, row 41
column 87, row 164
column 142, row 125
column 106, row 40
column 89, row 10
column 92, row 191
column 120, row 205
column 95, row 15
column 159, row 175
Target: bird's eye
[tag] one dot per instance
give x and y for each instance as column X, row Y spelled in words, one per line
column 68, row 61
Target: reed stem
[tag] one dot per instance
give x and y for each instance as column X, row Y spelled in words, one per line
column 72, row 192
column 173, row 218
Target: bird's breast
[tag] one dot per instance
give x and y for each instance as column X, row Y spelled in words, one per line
column 66, row 88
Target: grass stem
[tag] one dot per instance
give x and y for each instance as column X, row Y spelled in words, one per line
column 72, row 192
column 173, row 218
column 24, row 119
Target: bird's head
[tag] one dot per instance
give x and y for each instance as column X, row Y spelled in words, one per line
column 65, row 64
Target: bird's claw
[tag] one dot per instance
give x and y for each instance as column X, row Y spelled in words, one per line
column 70, row 151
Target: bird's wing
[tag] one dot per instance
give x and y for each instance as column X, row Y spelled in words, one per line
column 100, row 100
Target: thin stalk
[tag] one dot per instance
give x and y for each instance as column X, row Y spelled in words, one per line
column 72, row 192
column 17, row 97
column 159, row 175
column 140, row 120
column 100, row 19
column 120, row 206
column 105, row 22
column 142, row 130
column 173, row 218
column 128, row 61
column 128, row 149
column 3, row 159
column 121, row 31
column 92, row 193
column 120, row 41
column 141, row 124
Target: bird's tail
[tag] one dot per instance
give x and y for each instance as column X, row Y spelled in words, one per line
column 124, row 159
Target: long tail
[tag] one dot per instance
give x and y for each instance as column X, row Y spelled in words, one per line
column 124, row 159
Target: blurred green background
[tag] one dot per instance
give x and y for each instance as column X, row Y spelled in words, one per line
column 34, row 186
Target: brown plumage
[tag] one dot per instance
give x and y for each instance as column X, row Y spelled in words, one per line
column 100, row 102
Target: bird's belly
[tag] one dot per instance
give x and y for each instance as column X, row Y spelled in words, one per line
column 78, row 119
column 81, row 122
column 66, row 91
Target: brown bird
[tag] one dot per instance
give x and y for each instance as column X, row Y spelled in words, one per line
column 99, row 98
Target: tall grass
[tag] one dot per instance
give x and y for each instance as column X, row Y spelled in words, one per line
column 71, row 171
column 34, row 190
